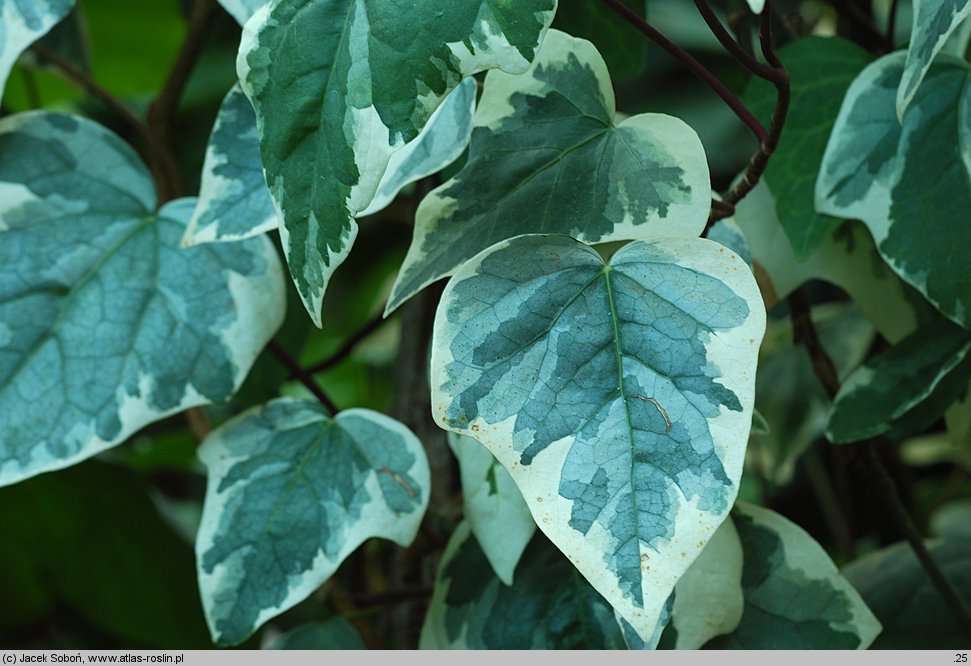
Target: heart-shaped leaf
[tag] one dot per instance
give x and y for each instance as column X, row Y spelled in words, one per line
column 339, row 85
column 106, row 325
column 795, row 597
column 618, row 396
column 910, row 184
column 235, row 203
column 547, row 157
column 293, row 492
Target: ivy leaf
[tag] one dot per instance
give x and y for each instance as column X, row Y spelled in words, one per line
column 339, row 85
column 440, row 143
column 291, row 494
column 895, row 585
column 22, row 24
column 634, row 640
column 756, row 5
column 795, row 598
column 493, row 506
column 623, row 47
column 904, row 389
column 547, row 157
column 336, row 634
column 708, row 599
column 242, row 10
column 618, row 396
column 235, row 203
column 106, row 325
column 550, row 607
column 933, row 23
column 909, row 184
column 847, row 259
column 821, row 69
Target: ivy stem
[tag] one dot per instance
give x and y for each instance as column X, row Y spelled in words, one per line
column 161, row 112
column 748, row 61
column 804, row 332
column 692, row 64
column 351, row 343
column 776, row 74
column 304, row 377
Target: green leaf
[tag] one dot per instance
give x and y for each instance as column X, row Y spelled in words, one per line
column 235, row 203
column 493, row 506
column 708, row 598
column 291, row 494
column 334, row 634
column 848, row 259
column 22, row 24
column 106, row 325
column 795, row 598
column 623, row 47
column 910, row 185
column 242, row 10
column 756, row 5
column 820, row 69
column 895, row 585
column 550, row 607
column 339, row 85
column 618, row 396
column 904, row 389
column 547, row 157
column 933, row 23
column 90, row 541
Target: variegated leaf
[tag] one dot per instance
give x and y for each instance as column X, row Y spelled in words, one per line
column 493, row 505
column 23, row 23
column 847, row 259
column 293, row 492
column 795, row 597
column 340, row 85
column 618, row 396
column 440, row 143
column 909, row 184
column 906, row 388
column 106, row 325
column 546, row 157
column 235, row 203
column 708, row 599
column 933, row 23
column 550, row 607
